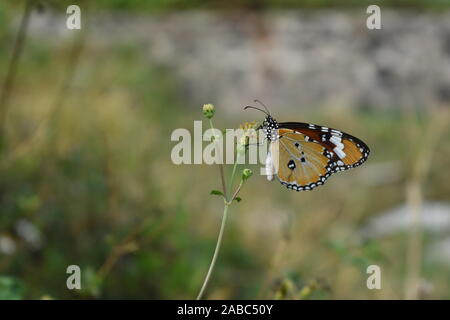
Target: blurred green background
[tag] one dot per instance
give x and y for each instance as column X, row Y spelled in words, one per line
column 86, row 178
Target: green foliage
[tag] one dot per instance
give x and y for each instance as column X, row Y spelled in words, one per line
column 158, row 5
column 359, row 256
column 161, row 6
column 293, row 287
column 10, row 288
column 216, row 192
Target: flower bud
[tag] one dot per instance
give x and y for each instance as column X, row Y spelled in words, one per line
column 246, row 173
column 208, row 110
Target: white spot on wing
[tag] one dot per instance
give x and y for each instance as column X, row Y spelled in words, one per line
column 336, row 133
column 336, row 141
column 341, row 154
column 339, row 149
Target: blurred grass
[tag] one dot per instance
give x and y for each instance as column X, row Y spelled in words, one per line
column 156, row 6
column 103, row 192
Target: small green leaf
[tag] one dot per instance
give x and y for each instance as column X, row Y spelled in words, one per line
column 238, row 199
column 216, row 192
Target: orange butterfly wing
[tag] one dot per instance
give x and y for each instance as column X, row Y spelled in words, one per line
column 349, row 151
column 308, row 154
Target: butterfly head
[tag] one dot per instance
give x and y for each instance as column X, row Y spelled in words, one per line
column 270, row 125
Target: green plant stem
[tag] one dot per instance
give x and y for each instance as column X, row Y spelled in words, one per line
column 222, row 175
column 230, row 187
column 228, row 202
column 216, row 252
column 236, row 192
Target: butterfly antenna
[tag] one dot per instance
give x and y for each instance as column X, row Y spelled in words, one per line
column 251, row 107
column 258, row 101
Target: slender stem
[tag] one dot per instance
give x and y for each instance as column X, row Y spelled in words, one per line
column 222, row 175
column 415, row 197
column 237, row 191
column 230, row 187
column 216, row 252
column 11, row 72
column 222, row 178
column 228, row 202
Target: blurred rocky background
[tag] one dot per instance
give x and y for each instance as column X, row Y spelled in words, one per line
column 313, row 58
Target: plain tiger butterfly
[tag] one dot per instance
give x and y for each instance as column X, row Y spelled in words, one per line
column 303, row 156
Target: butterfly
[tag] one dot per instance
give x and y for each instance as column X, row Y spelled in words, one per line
column 303, row 156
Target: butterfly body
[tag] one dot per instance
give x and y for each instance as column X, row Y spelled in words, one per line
column 303, row 156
